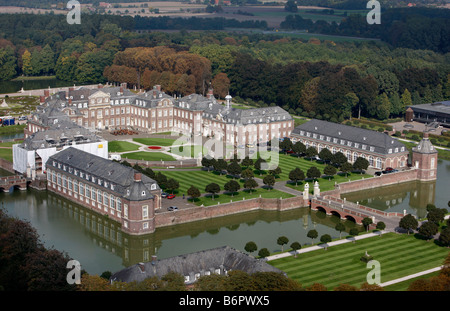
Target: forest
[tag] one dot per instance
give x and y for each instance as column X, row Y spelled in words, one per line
column 322, row 79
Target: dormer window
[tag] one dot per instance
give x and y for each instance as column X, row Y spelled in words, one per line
column 143, row 193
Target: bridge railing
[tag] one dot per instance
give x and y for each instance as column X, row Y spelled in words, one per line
column 338, row 203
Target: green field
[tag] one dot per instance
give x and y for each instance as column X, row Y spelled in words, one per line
column 195, row 150
column 148, row 156
column 197, row 179
column 398, row 254
column 200, row 179
column 207, row 200
column 326, row 183
column 155, row 141
column 121, row 146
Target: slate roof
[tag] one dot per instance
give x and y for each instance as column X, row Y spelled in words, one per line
column 425, row 146
column 380, row 141
column 63, row 133
column 224, row 258
column 121, row 176
column 246, row 116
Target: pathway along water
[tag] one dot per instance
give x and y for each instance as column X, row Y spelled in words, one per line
column 98, row 244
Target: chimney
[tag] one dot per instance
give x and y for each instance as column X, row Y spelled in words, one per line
column 71, row 89
column 154, row 259
column 46, row 93
column 121, row 90
column 141, row 267
column 137, row 176
column 42, row 99
column 158, row 87
column 100, row 86
column 70, row 101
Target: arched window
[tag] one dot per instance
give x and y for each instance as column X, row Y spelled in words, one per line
column 378, row 163
column 370, row 161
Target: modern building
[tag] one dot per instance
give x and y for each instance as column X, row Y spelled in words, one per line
column 155, row 112
column 438, row 113
column 107, row 187
column 219, row 260
column 380, row 149
column 49, row 131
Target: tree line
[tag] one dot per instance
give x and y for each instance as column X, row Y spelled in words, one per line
column 416, row 28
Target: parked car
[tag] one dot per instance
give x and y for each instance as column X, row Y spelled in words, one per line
column 378, row 173
column 164, row 195
column 171, row 196
column 172, row 208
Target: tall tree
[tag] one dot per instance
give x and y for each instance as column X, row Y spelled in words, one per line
column 26, row 63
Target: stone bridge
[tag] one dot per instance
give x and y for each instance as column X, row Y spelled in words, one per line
column 15, row 181
column 353, row 211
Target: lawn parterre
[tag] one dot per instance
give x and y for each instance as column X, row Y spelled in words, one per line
column 148, row 156
column 398, row 255
column 155, row 141
column 121, row 146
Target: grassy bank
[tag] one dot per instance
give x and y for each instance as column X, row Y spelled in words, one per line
column 396, row 253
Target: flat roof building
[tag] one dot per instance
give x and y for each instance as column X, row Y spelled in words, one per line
column 438, row 112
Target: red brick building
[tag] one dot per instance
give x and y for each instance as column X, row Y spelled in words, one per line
column 106, row 187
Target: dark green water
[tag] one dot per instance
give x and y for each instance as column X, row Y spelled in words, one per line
column 15, row 86
column 99, row 245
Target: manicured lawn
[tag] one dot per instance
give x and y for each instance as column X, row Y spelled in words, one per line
column 403, row 286
column 155, row 141
column 207, row 200
column 195, row 150
column 121, row 146
column 6, row 154
column 197, row 179
column 398, row 254
column 326, row 183
column 148, row 156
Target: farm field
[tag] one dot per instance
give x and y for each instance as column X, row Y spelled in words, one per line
column 148, row 156
column 396, row 253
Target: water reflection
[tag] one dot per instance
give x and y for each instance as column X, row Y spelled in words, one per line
column 411, row 196
column 99, row 244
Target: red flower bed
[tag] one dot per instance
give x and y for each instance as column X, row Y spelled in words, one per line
column 154, row 147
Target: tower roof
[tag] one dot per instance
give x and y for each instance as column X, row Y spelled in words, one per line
column 425, row 145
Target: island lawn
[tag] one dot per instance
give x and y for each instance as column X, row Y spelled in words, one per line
column 398, row 254
column 200, row 179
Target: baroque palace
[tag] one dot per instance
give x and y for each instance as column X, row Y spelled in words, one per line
column 155, row 111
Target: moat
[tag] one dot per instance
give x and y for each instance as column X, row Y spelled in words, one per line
column 99, row 245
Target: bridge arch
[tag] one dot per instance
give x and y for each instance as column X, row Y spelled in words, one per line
column 350, row 218
column 335, row 213
column 321, row 209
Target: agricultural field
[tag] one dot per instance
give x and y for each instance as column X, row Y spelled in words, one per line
column 397, row 254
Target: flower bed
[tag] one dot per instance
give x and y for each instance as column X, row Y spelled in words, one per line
column 154, row 147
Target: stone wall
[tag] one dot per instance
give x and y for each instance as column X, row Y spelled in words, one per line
column 185, row 215
column 6, row 165
column 373, row 182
